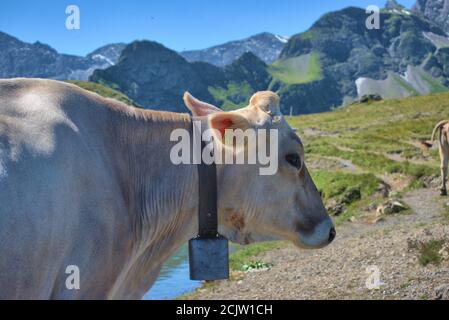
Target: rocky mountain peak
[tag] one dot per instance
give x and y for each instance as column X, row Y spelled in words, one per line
column 436, row 11
column 393, row 4
column 265, row 45
column 22, row 59
column 109, row 53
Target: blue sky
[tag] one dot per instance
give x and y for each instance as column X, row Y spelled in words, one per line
column 178, row 24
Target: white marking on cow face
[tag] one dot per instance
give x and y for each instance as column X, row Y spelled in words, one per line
column 286, row 205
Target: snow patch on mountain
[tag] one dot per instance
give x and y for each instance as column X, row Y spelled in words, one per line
column 282, row 38
column 266, row 46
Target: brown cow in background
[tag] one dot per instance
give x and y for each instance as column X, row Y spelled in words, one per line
column 442, row 129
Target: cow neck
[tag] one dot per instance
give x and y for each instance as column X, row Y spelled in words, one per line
column 160, row 196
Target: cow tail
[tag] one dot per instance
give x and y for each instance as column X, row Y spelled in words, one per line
column 437, row 129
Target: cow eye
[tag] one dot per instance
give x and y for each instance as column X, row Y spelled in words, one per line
column 294, row 159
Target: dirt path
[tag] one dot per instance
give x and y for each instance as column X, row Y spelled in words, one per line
column 341, row 270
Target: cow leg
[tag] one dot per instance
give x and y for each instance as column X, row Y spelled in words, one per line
column 444, row 155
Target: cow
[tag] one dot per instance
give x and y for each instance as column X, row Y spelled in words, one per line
column 87, row 188
column 442, row 129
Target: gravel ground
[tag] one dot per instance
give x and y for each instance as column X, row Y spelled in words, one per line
column 342, row 270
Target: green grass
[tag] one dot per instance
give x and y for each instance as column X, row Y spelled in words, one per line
column 256, row 265
column 371, row 161
column 246, row 254
column 434, row 85
column 334, row 183
column 297, row 70
column 227, row 95
column 307, row 35
column 206, row 285
column 391, row 126
column 379, row 138
column 429, row 252
column 445, row 213
column 104, row 91
column 405, row 85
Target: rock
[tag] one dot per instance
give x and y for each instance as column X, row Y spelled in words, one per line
column 444, row 252
column 383, row 189
column 388, row 210
column 351, row 195
column 442, row 292
column 370, row 97
column 391, row 207
column 436, row 11
column 393, row 4
column 397, row 207
column 431, row 182
column 335, row 207
column 380, row 210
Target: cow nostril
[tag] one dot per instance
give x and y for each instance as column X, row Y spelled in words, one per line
column 332, row 235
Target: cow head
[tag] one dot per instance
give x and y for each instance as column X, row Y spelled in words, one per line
column 254, row 207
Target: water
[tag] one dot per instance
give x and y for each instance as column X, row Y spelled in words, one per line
column 174, row 279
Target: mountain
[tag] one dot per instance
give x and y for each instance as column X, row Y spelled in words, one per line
column 157, row 77
column 335, row 62
column 341, row 59
column 436, row 11
column 100, row 58
column 243, row 77
column 21, row 59
column 393, row 5
column 266, row 46
column 109, row 53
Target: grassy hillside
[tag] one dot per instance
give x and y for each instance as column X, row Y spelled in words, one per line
column 366, row 146
column 234, row 96
column 297, row 70
column 433, row 84
column 418, row 82
column 104, row 91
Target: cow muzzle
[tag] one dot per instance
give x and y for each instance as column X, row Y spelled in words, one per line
column 321, row 235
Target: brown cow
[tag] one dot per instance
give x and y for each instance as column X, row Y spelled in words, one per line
column 87, row 186
column 442, row 129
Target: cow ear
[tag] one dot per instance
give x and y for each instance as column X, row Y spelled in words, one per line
column 199, row 108
column 222, row 121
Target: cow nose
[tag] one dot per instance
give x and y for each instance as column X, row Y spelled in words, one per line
column 332, row 235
